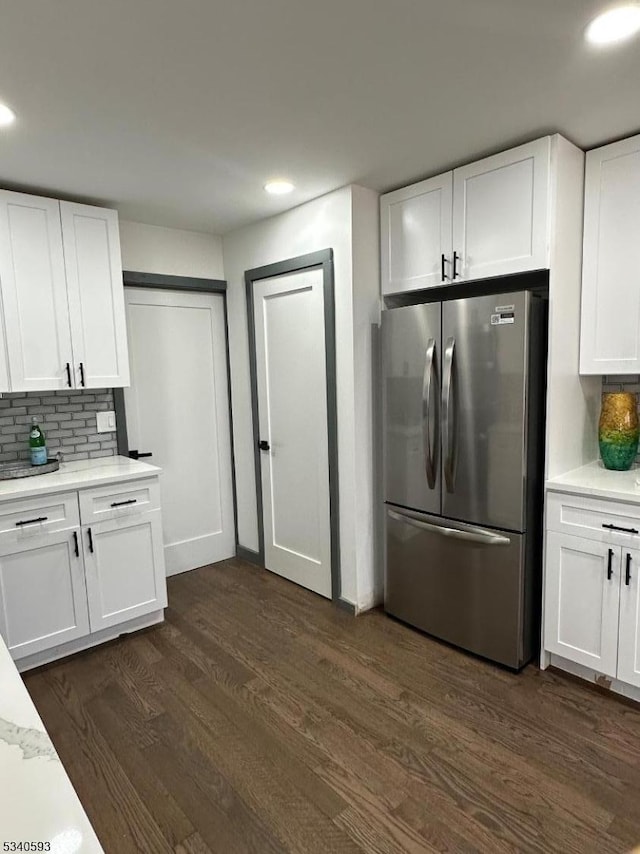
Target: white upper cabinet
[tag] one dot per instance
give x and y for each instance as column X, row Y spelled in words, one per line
column 501, row 213
column 416, row 235
column 62, row 316
column 610, row 329
column 490, row 218
column 34, row 294
column 96, row 295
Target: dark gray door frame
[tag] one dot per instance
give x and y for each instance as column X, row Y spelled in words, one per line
column 157, row 281
column 324, row 260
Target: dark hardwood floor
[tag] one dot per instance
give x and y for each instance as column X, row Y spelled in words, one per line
column 261, row 718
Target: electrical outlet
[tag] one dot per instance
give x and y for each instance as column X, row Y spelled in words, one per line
column 106, row 422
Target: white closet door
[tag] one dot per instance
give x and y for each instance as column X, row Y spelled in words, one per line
column 501, row 212
column 178, row 409
column 292, row 405
column 34, row 294
column 96, row 295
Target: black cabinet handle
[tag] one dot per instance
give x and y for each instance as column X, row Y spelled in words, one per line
column 627, row 573
column 76, row 547
column 610, row 565
column 624, row 530
column 456, row 258
column 138, row 455
column 122, row 503
column 82, row 382
column 31, row 521
column 68, row 370
column 443, row 261
column 90, row 540
column 264, row 446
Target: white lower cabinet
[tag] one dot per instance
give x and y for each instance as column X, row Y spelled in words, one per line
column 125, row 569
column 58, row 588
column 43, row 600
column 592, row 585
column 582, row 599
column 629, row 633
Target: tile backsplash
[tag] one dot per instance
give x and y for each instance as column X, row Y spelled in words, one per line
column 68, row 419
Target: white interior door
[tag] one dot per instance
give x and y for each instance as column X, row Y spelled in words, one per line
column 178, row 408
column 292, row 405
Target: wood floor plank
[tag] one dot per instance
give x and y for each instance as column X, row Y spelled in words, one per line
column 260, row 718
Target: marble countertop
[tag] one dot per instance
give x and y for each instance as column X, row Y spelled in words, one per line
column 38, row 802
column 79, row 474
column 595, row 480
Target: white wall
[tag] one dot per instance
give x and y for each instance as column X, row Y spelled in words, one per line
column 324, row 223
column 170, row 251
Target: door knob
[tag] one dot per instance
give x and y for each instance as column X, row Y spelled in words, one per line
column 264, row 446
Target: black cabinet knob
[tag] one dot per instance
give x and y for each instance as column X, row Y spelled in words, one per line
column 264, row 446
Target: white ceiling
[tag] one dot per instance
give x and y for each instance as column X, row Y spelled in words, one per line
column 177, row 111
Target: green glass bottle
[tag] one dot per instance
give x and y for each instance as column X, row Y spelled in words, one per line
column 37, row 444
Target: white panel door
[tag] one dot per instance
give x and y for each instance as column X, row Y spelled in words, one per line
column 178, row 408
column 415, row 225
column 34, row 294
column 96, row 295
column 581, row 601
column 629, row 637
column 501, row 212
column 43, row 600
column 610, row 328
column 125, row 569
column 292, row 406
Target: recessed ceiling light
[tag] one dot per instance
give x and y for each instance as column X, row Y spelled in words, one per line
column 7, row 116
column 614, row 25
column 279, row 187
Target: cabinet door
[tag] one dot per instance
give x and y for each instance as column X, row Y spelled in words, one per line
column 125, row 569
column 610, row 328
column 34, row 293
column 629, row 640
column 415, row 227
column 43, row 601
column 581, row 601
column 500, row 212
column 96, row 295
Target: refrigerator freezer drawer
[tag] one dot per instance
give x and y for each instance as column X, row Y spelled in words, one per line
column 460, row 583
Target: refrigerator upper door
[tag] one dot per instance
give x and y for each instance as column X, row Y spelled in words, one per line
column 485, row 343
column 411, row 339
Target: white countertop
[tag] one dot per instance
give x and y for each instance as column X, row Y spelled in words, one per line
column 595, row 480
column 38, row 802
column 77, row 475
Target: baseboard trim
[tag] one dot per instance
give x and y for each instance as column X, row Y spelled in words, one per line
column 46, row 656
column 249, row 555
column 606, row 683
column 347, row 606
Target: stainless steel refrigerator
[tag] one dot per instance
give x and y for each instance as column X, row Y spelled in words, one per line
column 463, row 446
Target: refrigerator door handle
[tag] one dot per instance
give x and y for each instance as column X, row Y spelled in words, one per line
column 464, row 532
column 430, row 454
column 448, row 417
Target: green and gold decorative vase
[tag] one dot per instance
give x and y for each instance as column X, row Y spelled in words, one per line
column 618, row 430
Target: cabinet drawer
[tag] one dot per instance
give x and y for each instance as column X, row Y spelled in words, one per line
column 119, row 499
column 594, row 518
column 46, row 513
